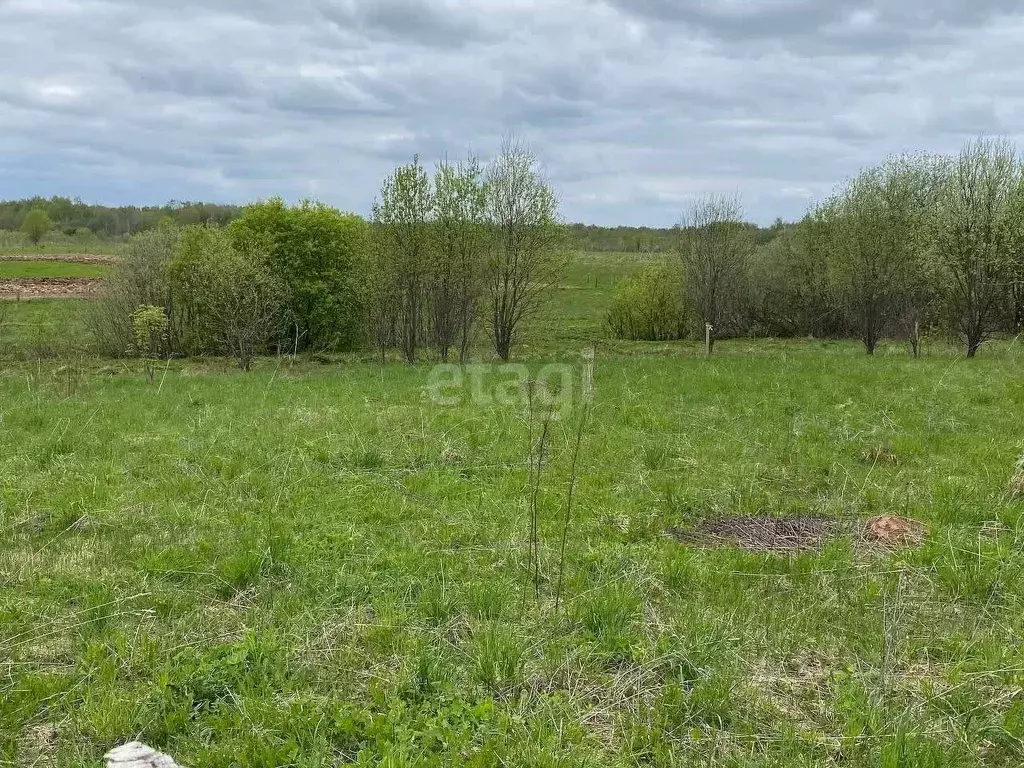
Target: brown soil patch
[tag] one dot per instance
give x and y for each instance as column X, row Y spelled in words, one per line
column 48, row 287
column 894, row 531
column 75, row 258
column 39, row 742
column 879, row 454
column 760, row 534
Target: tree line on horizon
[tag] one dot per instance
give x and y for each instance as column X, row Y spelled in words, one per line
column 39, row 217
column 918, row 243
column 71, row 217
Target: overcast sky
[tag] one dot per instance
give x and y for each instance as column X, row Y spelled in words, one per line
column 634, row 105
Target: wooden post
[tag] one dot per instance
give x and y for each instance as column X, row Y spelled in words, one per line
column 708, row 328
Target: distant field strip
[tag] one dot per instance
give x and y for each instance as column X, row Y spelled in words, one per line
column 46, row 287
column 50, row 276
column 51, row 268
column 66, row 258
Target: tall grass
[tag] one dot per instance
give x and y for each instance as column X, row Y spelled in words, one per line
column 316, row 565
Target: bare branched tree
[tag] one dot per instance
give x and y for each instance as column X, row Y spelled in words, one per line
column 527, row 241
column 714, row 248
column 402, row 230
column 972, row 237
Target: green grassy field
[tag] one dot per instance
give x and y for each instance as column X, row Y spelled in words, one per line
column 42, row 268
column 318, row 565
column 16, row 243
column 42, row 328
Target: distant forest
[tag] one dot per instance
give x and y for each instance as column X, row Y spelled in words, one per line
column 73, row 217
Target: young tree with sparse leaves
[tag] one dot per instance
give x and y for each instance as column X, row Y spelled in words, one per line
column 878, row 232
column 1016, row 319
column 226, row 295
column 459, row 256
column 403, row 241
column 714, row 248
column 527, row 242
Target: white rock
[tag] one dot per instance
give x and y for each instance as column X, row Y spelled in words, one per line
column 135, row 754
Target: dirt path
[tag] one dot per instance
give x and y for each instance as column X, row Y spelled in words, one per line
column 76, row 258
column 47, row 287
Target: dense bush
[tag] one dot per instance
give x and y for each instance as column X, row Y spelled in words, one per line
column 225, row 296
column 140, row 279
column 791, row 289
column 319, row 256
column 278, row 278
column 36, row 224
column 649, row 306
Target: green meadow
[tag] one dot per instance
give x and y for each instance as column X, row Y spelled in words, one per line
column 42, row 268
column 318, row 563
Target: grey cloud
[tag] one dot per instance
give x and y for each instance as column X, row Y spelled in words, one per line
column 635, row 106
column 414, row 21
column 197, row 81
column 865, row 25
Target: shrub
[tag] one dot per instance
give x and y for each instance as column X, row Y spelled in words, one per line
column 140, row 279
column 791, row 292
column 649, row 307
column 225, row 295
column 149, row 336
column 36, row 224
column 317, row 254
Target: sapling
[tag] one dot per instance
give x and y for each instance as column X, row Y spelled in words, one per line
column 149, row 336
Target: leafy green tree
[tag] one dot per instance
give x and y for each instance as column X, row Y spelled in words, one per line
column 526, row 253
column 36, row 225
column 319, row 257
column 403, row 242
column 878, row 228
column 455, row 278
column 972, row 237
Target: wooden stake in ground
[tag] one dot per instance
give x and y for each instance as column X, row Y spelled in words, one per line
column 708, row 330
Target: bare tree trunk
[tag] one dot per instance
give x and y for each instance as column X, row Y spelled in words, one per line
column 870, row 340
column 973, row 345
